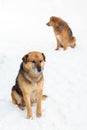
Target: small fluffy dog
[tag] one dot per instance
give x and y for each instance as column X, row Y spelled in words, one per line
column 28, row 87
column 63, row 33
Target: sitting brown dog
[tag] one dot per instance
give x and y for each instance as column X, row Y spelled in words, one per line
column 63, row 33
column 28, row 88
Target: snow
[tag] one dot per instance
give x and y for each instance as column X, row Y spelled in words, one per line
column 23, row 29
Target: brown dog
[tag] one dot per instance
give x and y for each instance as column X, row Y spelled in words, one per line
column 63, row 33
column 28, row 88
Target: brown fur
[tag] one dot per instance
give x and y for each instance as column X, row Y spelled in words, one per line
column 63, row 33
column 28, row 88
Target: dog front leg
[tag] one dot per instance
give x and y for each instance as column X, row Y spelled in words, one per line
column 58, row 44
column 39, row 99
column 65, row 46
column 28, row 105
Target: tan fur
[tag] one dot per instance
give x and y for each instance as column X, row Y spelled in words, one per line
column 30, row 82
column 62, row 32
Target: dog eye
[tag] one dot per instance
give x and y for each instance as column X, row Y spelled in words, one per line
column 41, row 61
column 33, row 61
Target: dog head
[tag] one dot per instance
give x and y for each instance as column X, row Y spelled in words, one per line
column 55, row 21
column 34, row 62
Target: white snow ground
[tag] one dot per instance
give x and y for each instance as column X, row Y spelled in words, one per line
column 23, row 29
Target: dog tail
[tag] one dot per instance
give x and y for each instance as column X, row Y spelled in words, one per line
column 44, row 97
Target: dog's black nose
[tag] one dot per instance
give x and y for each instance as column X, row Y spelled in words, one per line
column 39, row 69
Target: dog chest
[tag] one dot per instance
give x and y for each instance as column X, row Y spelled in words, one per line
column 58, row 37
column 29, row 88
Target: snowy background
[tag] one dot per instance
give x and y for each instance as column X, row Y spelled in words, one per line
column 23, row 29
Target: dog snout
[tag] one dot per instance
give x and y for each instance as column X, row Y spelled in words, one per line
column 48, row 24
column 39, row 68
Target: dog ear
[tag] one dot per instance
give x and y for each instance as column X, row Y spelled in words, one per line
column 44, row 57
column 61, row 27
column 25, row 58
column 52, row 18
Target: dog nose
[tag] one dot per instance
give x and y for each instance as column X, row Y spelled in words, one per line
column 39, row 69
column 47, row 23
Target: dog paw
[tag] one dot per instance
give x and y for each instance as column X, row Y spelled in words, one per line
column 57, row 49
column 73, row 45
column 21, row 107
column 29, row 117
column 39, row 114
column 64, row 48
